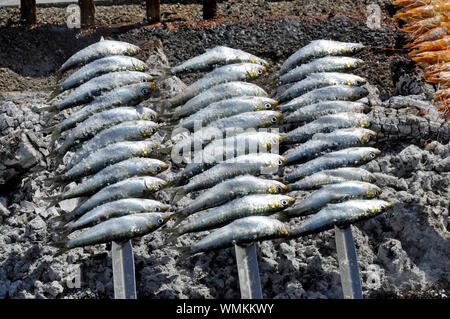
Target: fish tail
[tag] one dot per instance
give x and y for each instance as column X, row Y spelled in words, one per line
column 166, row 150
column 282, row 217
column 51, row 109
column 63, row 219
column 55, row 91
column 55, row 179
column 184, row 253
column 179, row 217
column 176, row 193
column 174, row 234
column 53, row 199
column 166, row 72
column 62, row 245
column 292, row 187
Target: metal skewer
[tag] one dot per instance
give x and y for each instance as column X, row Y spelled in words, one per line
column 348, row 263
column 248, row 271
column 123, row 270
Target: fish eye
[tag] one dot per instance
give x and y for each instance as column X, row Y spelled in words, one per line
column 144, row 91
column 160, row 221
column 152, row 117
column 284, row 202
column 260, row 71
column 267, row 105
column 280, row 162
column 279, row 189
column 274, row 119
column 156, row 209
column 372, row 155
column 158, row 168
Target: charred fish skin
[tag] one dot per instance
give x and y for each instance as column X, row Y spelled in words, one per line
column 99, row 50
column 219, row 55
column 330, row 93
column 118, row 208
column 230, row 126
column 325, row 64
column 103, row 120
column 231, row 189
column 339, row 139
column 126, row 131
column 241, row 231
column 317, row 49
column 231, row 147
column 319, row 80
column 135, row 187
column 244, row 164
column 333, row 193
column 102, row 66
column 136, row 166
column 341, row 214
column 126, row 95
column 229, row 107
column 314, row 111
column 326, row 124
column 332, row 176
column 118, row 229
column 217, row 93
column 347, row 157
column 227, row 73
column 96, row 86
column 250, row 205
column 108, row 155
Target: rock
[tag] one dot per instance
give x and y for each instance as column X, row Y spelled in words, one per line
column 4, row 211
column 54, row 289
column 69, row 205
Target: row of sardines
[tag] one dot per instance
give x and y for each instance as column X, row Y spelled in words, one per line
column 111, row 136
column 242, row 201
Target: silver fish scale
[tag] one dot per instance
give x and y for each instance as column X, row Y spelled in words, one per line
column 340, row 214
column 115, row 173
column 245, row 164
column 243, row 230
column 216, row 93
column 256, row 204
column 96, row 86
column 119, row 229
column 99, row 50
column 349, row 156
column 230, row 126
column 227, row 73
column 131, row 187
column 332, row 193
column 312, row 112
column 126, row 131
column 318, row 80
column 329, row 93
column 326, row 123
column 332, row 176
column 219, row 55
column 226, row 108
column 102, row 66
column 232, row 188
column 103, row 120
column 126, row 95
column 317, row 49
column 117, row 208
column 108, row 155
column 326, row 64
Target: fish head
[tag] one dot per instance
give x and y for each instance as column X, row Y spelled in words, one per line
column 373, row 191
column 144, row 90
column 266, row 104
column 147, row 114
column 286, row 201
column 276, row 187
column 366, row 135
column 147, row 131
column 160, row 219
column 273, row 119
column 156, row 167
